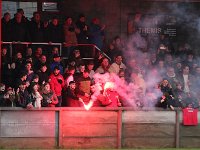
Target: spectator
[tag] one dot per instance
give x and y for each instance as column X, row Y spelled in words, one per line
column 186, row 79
column 6, row 70
column 172, row 77
column 167, row 100
column 6, row 27
column 37, row 28
column 112, row 97
column 29, row 52
column 71, row 98
column 90, row 67
column 19, row 29
column 79, row 71
column 43, row 74
column 57, row 62
column 69, row 75
column 29, row 71
column 117, row 65
column 49, row 97
column 83, row 27
column 54, row 32
column 22, row 78
column 83, row 85
column 96, row 33
column 70, row 31
column 24, row 18
column 22, row 95
column 104, row 67
column 35, row 96
column 76, row 58
column 56, row 82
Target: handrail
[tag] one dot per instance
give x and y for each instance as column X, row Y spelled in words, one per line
column 59, row 44
column 96, row 47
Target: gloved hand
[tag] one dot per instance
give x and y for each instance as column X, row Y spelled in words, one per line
column 60, row 81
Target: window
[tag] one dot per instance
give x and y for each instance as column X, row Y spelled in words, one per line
column 11, row 7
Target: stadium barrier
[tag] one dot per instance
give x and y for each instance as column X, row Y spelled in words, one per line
column 48, row 128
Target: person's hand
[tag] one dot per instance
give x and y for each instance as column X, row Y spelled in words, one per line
column 80, row 99
column 29, row 105
column 27, row 83
column 87, row 95
column 119, row 104
column 13, row 66
column 60, row 81
column 6, row 96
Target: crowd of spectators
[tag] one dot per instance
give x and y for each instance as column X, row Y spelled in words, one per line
column 31, row 79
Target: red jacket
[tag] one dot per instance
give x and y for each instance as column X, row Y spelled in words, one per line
column 56, row 87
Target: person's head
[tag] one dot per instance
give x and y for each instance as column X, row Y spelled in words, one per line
column 2, row 87
column 9, row 91
column 36, row 16
column 29, row 59
column 170, row 71
column 7, row 16
column 68, row 21
column 105, row 62
column 55, row 50
column 29, row 51
column 56, row 70
column 165, row 83
column 4, row 51
column 71, row 70
column 86, row 73
column 46, row 87
column 161, row 63
column 35, row 78
column 179, row 86
column 43, row 59
column 56, row 58
column 34, row 87
column 21, row 11
column 81, row 68
column 72, row 85
column 178, row 65
column 121, row 73
column 190, row 55
column 77, row 53
column 28, row 66
column 23, row 76
column 22, row 86
column 117, row 40
column 18, row 17
column 118, row 59
column 168, row 58
column 43, row 68
column 55, row 21
column 38, row 51
column 90, row 65
column 82, row 18
column 19, row 55
column 186, row 69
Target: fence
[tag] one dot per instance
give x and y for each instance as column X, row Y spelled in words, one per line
column 97, row 128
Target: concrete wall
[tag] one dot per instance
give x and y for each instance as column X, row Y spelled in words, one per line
column 97, row 128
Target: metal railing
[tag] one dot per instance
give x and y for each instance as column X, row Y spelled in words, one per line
column 61, row 45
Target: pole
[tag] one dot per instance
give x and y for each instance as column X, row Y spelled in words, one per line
column 177, row 138
column 0, row 41
column 119, row 129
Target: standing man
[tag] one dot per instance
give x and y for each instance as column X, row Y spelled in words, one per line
column 56, row 81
